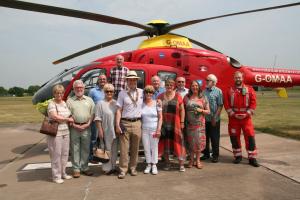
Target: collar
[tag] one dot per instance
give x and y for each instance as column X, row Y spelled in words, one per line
column 181, row 90
column 210, row 89
column 77, row 99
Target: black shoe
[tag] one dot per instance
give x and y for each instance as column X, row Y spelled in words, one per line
column 204, row 157
column 237, row 160
column 215, row 159
column 253, row 162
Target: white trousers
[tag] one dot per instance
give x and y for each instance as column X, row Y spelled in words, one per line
column 59, row 153
column 150, row 146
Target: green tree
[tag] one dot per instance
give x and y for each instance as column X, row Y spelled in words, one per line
column 18, row 91
column 33, row 89
column 3, row 92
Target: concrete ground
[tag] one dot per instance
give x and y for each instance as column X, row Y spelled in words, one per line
column 277, row 178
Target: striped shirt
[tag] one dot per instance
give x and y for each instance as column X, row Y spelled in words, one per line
column 215, row 99
column 118, row 78
column 62, row 110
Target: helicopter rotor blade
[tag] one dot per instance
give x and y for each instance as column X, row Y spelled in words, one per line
column 100, row 46
column 69, row 12
column 188, row 23
column 198, row 43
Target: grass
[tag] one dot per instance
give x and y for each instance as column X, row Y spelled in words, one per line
column 273, row 115
column 277, row 116
column 18, row 110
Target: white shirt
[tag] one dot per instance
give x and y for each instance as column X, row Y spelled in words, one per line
column 150, row 116
column 182, row 92
column 129, row 109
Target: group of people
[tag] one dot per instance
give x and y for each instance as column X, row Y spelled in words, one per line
column 170, row 120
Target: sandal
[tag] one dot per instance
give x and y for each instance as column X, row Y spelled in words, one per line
column 190, row 165
column 199, row 165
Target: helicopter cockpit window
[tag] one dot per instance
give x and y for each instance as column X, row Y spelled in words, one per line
column 141, row 81
column 163, row 75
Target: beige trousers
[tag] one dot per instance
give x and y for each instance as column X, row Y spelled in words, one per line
column 129, row 140
column 59, row 153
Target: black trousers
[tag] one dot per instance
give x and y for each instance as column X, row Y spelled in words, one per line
column 212, row 135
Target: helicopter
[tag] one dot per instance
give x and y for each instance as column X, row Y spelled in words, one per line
column 164, row 53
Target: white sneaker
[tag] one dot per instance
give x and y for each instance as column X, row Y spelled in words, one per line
column 181, row 169
column 154, row 170
column 148, row 169
column 67, row 177
column 59, row 181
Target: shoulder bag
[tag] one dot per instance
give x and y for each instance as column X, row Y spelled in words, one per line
column 49, row 127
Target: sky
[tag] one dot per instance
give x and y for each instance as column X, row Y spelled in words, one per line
column 29, row 41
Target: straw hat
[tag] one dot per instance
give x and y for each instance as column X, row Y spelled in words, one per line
column 132, row 75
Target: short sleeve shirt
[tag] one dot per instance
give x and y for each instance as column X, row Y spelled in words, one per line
column 118, row 78
column 150, row 116
column 129, row 108
column 81, row 109
column 215, row 99
column 62, row 110
column 96, row 94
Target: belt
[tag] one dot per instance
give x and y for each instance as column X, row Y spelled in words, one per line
column 80, row 123
column 131, row 119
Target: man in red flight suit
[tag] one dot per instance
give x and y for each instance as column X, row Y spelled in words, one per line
column 240, row 103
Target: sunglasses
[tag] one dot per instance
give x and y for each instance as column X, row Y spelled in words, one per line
column 149, row 92
column 180, row 81
column 109, row 91
column 208, row 80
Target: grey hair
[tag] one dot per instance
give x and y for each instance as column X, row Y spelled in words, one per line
column 78, row 82
column 213, row 78
column 155, row 76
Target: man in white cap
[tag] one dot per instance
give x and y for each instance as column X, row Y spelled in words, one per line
column 128, row 124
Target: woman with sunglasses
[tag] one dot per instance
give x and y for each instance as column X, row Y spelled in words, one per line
column 105, row 121
column 151, row 127
column 171, row 140
column 196, row 107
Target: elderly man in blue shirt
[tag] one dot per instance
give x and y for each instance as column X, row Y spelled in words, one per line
column 212, row 121
column 97, row 94
column 155, row 80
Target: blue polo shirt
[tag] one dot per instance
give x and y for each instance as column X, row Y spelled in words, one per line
column 96, row 94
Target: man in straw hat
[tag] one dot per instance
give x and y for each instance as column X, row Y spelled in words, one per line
column 128, row 124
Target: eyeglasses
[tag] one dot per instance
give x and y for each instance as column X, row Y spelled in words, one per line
column 79, row 87
column 109, row 91
column 208, row 80
column 180, row 81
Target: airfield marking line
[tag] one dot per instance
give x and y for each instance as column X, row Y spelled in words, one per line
column 47, row 165
column 270, row 169
column 87, row 190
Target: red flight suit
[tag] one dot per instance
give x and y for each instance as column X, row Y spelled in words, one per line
column 241, row 102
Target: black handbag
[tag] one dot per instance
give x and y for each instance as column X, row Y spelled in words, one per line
column 49, row 127
column 100, row 154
